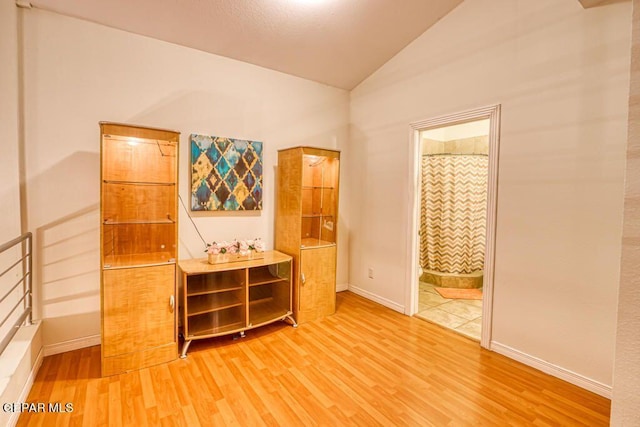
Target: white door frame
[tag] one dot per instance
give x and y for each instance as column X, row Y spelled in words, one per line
column 492, row 113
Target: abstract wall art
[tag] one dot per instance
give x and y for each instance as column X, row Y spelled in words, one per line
column 226, row 174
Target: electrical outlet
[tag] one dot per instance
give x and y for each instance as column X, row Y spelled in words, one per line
column 371, row 273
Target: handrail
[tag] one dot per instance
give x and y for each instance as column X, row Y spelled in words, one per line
column 25, row 297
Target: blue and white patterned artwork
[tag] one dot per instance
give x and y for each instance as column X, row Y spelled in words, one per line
column 226, row 174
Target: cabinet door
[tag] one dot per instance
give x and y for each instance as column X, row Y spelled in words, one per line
column 317, row 291
column 138, row 311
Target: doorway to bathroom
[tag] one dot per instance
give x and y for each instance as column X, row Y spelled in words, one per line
column 454, row 176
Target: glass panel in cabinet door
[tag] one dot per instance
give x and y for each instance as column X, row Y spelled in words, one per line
column 216, row 282
column 131, row 244
column 310, row 231
column 217, row 322
column 312, row 193
column 330, row 172
column 281, row 270
column 327, row 230
column 260, row 292
column 311, row 185
column 272, row 300
column 329, row 200
column 312, row 170
column 138, row 159
column 125, row 202
column 208, row 303
column 311, row 201
column 270, row 273
column 264, row 274
column 282, row 289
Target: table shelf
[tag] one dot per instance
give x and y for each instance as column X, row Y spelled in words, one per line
column 234, row 297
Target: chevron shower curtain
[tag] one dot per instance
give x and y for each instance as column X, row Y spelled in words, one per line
column 453, row 212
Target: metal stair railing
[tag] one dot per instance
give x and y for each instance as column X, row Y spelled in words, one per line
column 25, row 298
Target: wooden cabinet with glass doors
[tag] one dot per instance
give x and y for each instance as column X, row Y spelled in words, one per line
column 306, row 226
column 138, row 227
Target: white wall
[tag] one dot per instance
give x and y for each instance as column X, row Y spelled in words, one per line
column 561, row 74
column 79, row 73
column 9, row 160
column 21, row 359
column 625, row 405
column 10, row 226
column 461, row 131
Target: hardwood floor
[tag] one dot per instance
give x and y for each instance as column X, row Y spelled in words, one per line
column 365, row 365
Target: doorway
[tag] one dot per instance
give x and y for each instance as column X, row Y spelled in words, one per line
column 452, row 221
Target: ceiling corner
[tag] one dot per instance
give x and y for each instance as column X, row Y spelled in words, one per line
column 594, row 3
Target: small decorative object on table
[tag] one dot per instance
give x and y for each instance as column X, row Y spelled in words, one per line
column 220, row 252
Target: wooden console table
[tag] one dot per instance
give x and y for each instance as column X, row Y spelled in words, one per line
column 221, row 299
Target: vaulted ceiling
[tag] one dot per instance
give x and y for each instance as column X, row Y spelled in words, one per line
column 336, row 42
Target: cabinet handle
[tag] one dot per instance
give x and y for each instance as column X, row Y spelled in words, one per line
column 304, row 279
column 172, row 303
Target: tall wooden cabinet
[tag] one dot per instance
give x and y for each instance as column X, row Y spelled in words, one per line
column 306, row 226
column 139, row 239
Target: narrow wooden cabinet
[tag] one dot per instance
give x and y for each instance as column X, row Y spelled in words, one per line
column 317, row 296
column 233, row 297
column 307, row 225
column 139, row 238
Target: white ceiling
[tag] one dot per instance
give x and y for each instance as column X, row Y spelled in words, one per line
column 336, row 42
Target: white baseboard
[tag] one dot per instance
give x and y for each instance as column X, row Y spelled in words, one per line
column 71, row 345
column 342, row 287
column 13, row 420
column 380, row 300
column 553, row 370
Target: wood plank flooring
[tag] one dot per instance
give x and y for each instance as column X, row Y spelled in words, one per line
column 365, row 365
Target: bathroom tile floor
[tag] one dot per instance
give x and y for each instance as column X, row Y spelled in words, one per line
column 463, row 316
